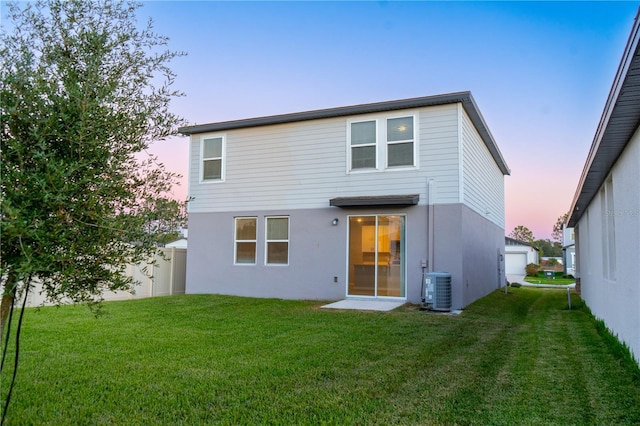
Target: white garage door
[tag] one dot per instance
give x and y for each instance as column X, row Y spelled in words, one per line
column 515, row 263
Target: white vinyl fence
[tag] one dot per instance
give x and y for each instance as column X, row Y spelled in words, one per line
column 167, row 277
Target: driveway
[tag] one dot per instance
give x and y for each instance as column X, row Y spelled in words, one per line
column 515, row 278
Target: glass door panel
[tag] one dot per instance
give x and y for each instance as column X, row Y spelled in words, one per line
column 376, row 256
column 362, row 255
column 390, row 263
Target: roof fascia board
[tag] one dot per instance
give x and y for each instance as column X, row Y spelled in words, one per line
column 522, row 243
column 477, row 119
column 327, row 113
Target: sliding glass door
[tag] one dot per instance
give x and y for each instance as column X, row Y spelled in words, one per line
column 377, row 256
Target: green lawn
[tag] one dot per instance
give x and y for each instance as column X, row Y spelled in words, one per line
column 517, row 358
column 543, row 280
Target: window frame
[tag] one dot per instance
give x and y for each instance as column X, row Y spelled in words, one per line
column 236, row 241
column 267, row 240
column 413, row 141
column 402, row 248
column 350, row 146
column 382, row 143
column 222, row 158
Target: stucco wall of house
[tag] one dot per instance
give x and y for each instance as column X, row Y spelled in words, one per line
column 316, row 255
column 483, row 255
column 615, row 301
column 465, row 245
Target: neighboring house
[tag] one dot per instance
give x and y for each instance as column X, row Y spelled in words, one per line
column 606, row 207
column 357, row 201
column 180, row 242
column 518, row 254
column 569, row 250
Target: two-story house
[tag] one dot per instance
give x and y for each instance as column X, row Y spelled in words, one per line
column 349, row 202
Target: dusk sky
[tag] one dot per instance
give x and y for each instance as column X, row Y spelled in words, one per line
column 540, row 73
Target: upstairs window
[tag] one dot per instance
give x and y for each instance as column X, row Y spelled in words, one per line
column 363, row 145
column 400, row 142
column 384, row 142
column 213, row 159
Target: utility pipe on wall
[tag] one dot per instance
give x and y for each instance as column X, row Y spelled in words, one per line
column 430, row 226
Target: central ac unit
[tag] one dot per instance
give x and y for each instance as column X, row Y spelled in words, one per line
column 437, row 290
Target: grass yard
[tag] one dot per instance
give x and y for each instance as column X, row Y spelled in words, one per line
column 517, row 358
column 543, row 280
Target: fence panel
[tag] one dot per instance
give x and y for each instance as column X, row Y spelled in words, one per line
column 168, row 277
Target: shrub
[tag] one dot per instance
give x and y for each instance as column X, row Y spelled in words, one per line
column 532, row 269
column 516, row 285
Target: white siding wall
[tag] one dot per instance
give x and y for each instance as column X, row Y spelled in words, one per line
column 617, row 301
column 482, row 180
column 439, row 153
column 303, row 165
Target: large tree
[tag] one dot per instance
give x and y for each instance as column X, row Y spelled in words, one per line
column 558, row 227
column 548, row 248
column 83, row 92
column 522, row 233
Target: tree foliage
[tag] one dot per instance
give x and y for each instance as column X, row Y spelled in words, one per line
column 522, row 233
column 548, row 248
column 532, row 269
column 83, row 93
column 558, row 226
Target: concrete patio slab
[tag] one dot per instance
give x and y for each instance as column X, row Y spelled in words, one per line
column 365, row 305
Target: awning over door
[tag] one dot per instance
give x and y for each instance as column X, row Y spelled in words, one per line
column 376, row 200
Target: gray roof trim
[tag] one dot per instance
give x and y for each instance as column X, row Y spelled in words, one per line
column 515, row 242
column 464, row 98
column 376, row 200
column 620, row 119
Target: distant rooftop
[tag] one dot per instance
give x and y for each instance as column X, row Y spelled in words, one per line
column 508, row 241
